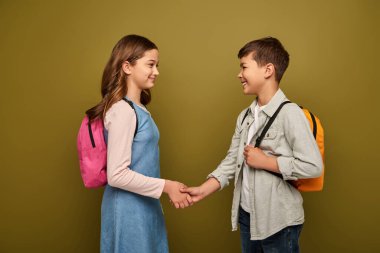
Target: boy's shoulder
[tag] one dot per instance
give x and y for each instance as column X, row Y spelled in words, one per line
column 244, row 111
column 243, row 114
column 291, row 108
column 292, row 113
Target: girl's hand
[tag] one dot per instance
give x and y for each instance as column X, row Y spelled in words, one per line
column 177, row 198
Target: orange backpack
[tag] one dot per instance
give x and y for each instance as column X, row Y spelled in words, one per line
column 313, row 184
column 307, row 184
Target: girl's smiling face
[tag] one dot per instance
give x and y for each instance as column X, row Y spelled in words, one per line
column 144, row 71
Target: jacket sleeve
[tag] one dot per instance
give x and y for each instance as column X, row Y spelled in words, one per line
column 226, row 169
column 306, row 161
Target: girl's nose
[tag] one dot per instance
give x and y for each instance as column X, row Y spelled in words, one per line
column 156, row 71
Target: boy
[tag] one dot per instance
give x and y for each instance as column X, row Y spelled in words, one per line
column 268, row 209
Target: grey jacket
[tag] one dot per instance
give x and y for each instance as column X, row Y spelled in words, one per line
column 275, row 204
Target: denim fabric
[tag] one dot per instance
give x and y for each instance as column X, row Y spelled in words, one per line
column 132, row 223
column 284, row 241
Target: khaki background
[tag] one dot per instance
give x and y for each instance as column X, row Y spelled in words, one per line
column 52, row 57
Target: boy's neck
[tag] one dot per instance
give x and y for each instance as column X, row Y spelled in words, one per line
column 266, row 94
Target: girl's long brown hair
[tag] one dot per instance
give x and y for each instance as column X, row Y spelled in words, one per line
column 114, row 81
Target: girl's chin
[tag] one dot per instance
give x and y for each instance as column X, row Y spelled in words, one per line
column 148, row 85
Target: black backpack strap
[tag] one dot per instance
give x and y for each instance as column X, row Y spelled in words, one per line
column 267, row 126
column 91, row 135
column 314, row 125
column 245, row 115
column 133, row 107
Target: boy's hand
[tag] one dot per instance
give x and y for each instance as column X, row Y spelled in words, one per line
column 256, row 158
column 200, row 192
column 196, row 193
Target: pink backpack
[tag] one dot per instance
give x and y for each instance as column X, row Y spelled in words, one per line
column 92, row 151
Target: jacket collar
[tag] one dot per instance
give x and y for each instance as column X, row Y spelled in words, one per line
column 273, row 104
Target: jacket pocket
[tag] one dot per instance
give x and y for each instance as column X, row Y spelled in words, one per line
column 270, row 135
column 270, row 140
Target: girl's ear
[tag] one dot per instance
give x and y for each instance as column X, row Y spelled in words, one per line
column 269, row 70
column 127, row 68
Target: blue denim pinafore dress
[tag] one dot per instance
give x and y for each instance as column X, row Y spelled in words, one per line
column 132, row 223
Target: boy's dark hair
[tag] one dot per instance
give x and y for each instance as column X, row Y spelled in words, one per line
column 267, row 50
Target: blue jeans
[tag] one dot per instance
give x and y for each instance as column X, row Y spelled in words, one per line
column 284, row 241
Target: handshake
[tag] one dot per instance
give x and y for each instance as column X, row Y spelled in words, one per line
column 182, row 196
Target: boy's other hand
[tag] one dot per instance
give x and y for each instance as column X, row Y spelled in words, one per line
column 255, row 157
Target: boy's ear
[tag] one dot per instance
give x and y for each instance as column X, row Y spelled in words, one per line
column 126, row 67
column 269, row 70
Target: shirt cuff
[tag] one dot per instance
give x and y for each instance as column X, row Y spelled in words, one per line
column 285, row 167
column 161, row 185
column 223, row 180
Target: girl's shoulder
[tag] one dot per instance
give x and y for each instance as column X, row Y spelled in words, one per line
column 120, row 109
column 120, row 106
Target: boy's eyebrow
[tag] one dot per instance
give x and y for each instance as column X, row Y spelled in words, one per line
column 153, row 60
column 241, row 64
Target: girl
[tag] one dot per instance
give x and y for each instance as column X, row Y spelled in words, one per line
column 131, row 214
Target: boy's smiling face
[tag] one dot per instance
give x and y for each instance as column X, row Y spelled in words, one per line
column 251, row 75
